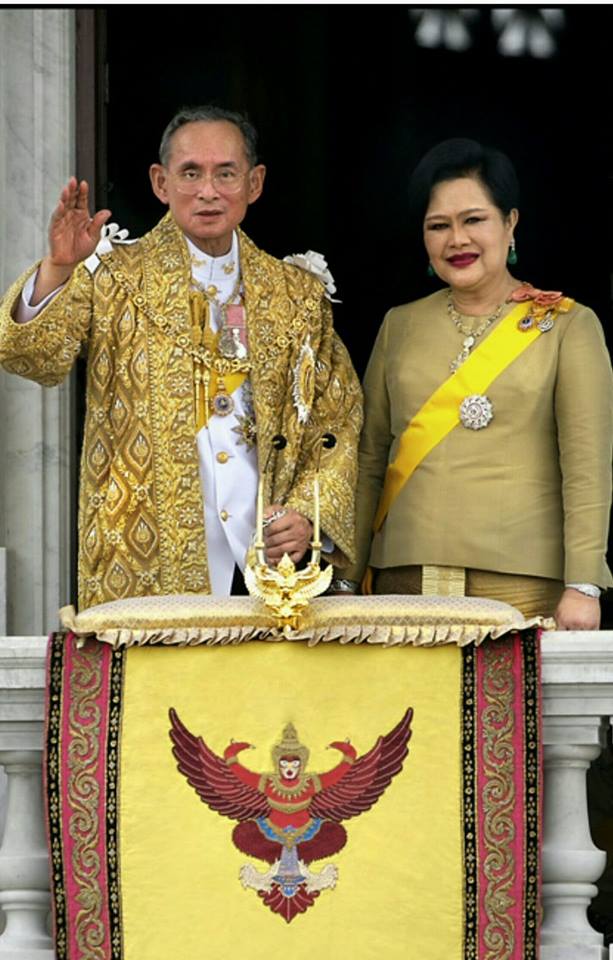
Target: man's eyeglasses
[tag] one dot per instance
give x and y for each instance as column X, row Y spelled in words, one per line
column 192, row 182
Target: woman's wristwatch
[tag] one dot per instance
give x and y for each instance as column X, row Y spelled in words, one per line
column 344, row 586
column 587, row 589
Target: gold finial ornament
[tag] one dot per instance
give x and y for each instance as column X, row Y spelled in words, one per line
column 284, row 590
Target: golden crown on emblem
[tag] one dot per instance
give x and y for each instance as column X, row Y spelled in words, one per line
column 290, row 746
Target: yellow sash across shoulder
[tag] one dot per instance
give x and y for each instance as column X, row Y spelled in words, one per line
column 440, row 413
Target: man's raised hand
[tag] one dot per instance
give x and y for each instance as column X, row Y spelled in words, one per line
column 73, row 237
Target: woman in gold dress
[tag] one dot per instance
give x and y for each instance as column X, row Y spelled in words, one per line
column 487, row 446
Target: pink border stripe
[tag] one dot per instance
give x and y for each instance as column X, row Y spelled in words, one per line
column 540, row 786
column 73, row 907
column 518, row 843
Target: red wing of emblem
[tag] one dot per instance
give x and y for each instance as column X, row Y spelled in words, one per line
column 290, row 818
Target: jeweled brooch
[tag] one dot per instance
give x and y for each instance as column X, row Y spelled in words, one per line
column 476, row 412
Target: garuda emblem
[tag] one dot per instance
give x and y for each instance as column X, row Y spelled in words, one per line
column 289, row 818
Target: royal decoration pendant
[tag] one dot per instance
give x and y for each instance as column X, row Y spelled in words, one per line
column 222, row 403
column 229, row 345
column 544, row 324
column 547, row 323
column 246, row 431
column 476, row 412
column 303, row 390
column 232, row 343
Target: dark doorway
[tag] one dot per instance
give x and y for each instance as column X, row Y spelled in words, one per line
column 346, row 102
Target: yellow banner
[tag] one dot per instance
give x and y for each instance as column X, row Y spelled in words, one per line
column 397, row 889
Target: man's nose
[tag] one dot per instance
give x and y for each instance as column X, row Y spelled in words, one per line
column 207, row 188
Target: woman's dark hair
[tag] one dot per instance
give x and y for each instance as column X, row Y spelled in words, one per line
column 464, row 158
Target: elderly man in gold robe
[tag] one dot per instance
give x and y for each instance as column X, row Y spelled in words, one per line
column 200, row 349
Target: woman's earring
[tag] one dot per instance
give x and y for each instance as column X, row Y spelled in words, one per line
column 430, row 270
column 512, row 255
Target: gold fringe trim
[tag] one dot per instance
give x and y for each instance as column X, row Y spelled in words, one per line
column 386, row 621
column 443, row 581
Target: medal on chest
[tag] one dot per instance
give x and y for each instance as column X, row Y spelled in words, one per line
column 232, row 342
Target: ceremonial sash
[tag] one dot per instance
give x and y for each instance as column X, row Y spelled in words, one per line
column 440, row 413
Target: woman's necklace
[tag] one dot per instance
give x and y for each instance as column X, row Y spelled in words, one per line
column 470, row 336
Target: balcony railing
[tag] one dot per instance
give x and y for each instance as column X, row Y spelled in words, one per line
column 578, row 707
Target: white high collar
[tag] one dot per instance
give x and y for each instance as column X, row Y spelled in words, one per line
column 220, row 271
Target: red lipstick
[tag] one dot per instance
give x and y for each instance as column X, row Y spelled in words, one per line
column 462, row 259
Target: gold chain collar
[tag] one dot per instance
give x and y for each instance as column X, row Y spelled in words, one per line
column 200, row 354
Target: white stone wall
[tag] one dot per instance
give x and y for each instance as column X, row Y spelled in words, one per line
column 36, row 157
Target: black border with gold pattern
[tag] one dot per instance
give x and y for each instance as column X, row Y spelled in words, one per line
column 469, row 813
column 532, row 780
column 52, row 786
column 112, row 803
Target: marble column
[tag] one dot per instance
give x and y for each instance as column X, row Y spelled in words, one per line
column 577, row 706
column 2, row 591
column 24, row 864
column 36, row 158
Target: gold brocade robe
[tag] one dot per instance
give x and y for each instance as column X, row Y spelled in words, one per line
column 141, row 517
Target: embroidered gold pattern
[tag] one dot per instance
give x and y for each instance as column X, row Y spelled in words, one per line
column 498, row 799
column 532, row 794
column 112, row 804
column 84, row 795
column 469, row 815
column 303, row 390
column 53, row 797
column 140, row 486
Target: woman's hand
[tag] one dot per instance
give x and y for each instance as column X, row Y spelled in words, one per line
column 575, row 611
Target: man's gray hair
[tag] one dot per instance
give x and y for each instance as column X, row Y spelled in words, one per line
column 210, row 114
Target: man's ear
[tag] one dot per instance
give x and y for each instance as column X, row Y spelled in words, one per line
column 159, row 177
column 256, row 182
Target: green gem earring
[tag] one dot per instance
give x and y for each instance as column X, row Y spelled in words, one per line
column 512, row 254
column 430, row 270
